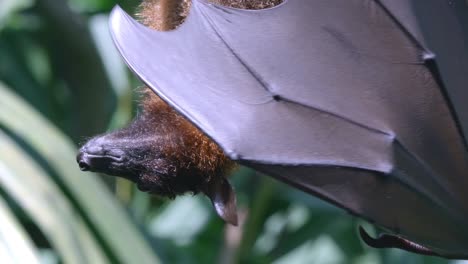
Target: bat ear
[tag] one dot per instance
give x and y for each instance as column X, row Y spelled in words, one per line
column 223, row 197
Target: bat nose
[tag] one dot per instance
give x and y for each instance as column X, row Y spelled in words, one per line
column 83, row 162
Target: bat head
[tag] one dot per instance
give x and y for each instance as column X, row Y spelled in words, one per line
column 163, row 154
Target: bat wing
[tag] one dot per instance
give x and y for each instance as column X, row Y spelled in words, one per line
column 359, row 102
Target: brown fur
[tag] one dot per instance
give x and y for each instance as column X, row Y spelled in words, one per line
column 193, row 153
column 163, row 15
column 168, row 14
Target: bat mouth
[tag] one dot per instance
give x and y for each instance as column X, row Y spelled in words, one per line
column 143, row 187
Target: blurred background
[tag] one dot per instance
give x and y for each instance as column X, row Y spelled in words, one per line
column 62, row 81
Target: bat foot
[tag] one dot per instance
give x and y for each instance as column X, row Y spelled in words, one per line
column 392, row 241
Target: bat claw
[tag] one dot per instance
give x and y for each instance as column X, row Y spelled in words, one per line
column 392, row 241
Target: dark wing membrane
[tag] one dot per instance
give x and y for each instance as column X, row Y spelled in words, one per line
column 330, row 96
column 442, row 28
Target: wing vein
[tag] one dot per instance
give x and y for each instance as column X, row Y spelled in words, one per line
column 265, row 85
column 430, row 64
column 437, row 183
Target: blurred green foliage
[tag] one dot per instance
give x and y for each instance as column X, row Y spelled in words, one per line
column 62, row 81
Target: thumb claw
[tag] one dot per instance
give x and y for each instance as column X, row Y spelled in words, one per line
column 223, row 197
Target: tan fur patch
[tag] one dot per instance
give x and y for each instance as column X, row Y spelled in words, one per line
column 163, row 15
column 248, row 4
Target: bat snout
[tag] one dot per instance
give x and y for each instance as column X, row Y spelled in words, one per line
column 96, row 158
column 83, row 162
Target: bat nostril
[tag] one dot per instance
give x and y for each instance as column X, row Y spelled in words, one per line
column 84, row 166
column 82, row 162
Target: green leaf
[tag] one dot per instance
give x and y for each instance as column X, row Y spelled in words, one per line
column 8, row 7
column 91, row 5
column 100, row 210
column 322, row 250
column 15, row 245
column 32, row 189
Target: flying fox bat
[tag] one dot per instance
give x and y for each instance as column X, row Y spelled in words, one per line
column 358, row 102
